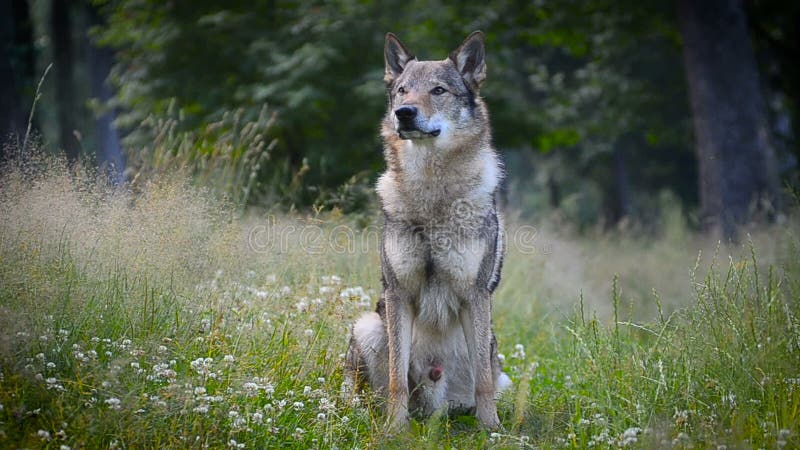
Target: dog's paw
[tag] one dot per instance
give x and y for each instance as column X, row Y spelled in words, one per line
column 397, row 420
column 487, row 416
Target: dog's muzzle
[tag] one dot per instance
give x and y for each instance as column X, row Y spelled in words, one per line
column 408, row 124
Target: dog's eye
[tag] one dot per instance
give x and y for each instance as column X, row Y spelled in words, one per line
column 438, row 90
column 401, row 90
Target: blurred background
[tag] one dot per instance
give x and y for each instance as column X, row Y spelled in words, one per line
column 607, row 113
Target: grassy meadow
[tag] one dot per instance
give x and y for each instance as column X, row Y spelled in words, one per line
column 158, row 316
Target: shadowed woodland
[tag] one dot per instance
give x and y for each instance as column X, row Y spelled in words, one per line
column 603, row 110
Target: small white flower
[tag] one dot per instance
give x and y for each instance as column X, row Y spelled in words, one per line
column 114, row 403
column 202, row 365
column 308, row 332
column 519, row 352
column 258, row 417
column 229, row 358
column 251, row 388
column 201, row 409
column 322, row 417
column 630, row 436
column 43, row 435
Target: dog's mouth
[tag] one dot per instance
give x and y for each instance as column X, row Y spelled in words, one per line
column 418, row 134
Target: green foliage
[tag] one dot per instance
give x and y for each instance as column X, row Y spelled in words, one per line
column 587, row 77
column 305, row 61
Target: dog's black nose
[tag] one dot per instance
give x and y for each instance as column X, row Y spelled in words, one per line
column 405, row 113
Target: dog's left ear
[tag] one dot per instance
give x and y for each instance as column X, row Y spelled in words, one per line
column 469, row 59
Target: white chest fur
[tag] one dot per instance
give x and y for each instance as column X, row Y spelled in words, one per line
column 438, row 203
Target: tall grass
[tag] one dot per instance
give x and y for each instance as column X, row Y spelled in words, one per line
column 227, row 155
column 162, row 318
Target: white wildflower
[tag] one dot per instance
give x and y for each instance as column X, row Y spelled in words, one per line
column 114, row 403
column 630, row 436
column 251, row 389
column 357, row 293
column 519, row 352
column 202, row 365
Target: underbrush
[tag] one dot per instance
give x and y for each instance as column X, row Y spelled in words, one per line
column 163, row 319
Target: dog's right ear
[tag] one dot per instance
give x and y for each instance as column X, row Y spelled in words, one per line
column 396, row 56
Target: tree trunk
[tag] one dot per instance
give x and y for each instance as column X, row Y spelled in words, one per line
column 16, row 68
column 736, row 162
column 622, row 182
column 109, row 148
column 63, row 59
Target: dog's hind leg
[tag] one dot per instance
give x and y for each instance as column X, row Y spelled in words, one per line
column 367, row 357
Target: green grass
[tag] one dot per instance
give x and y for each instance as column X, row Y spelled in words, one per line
column 162, row 319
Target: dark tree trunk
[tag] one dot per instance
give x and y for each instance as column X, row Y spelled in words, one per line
column 736, row 162
column 623, row 184
column 554, row 190
column 109, row 148
column 63, row 61
column 16, row 68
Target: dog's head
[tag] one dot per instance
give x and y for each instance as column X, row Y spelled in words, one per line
column 435, row 99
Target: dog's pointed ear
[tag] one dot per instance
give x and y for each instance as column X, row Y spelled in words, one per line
column 469, row 59
column 396, row 56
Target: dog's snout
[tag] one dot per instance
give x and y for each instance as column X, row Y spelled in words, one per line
column 405, row 113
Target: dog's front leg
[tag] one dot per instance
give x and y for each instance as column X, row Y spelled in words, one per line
column 399, row 321
column 477, row 325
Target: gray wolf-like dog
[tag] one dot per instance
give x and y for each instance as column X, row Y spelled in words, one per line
column 430, row 346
